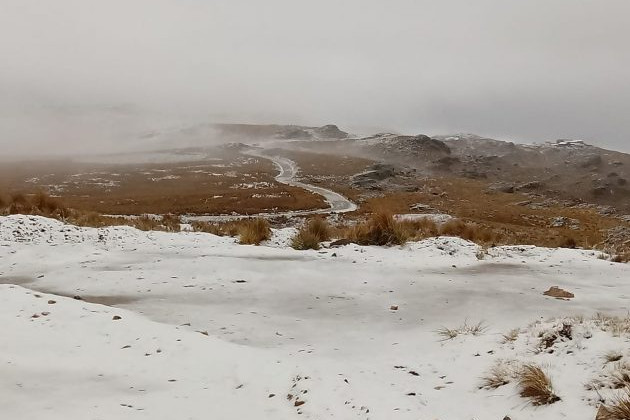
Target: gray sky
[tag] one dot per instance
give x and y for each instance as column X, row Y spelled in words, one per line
column 91, row 74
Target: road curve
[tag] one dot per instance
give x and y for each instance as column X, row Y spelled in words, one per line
column 288, row 171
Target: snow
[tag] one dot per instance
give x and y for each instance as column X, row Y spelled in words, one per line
column 212, row 329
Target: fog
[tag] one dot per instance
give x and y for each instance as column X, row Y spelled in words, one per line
column 86, row 75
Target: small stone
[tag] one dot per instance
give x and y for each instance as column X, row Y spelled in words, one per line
column 116, row 318
column 52, row 302
column 393, row 307
column 77, row 297
column 298, row 403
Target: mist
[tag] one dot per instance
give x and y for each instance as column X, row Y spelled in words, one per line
column 97, row 76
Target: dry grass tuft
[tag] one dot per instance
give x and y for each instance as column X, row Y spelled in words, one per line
column 465, row 329
column 536, row 386
column 305, row 239
column 618, row 410
column 380, row 229
column 612, row 356
column 254, row 231
column 511, row 336
column 309, row 236
column 469, row 231
column 500, row 374
column 40, row 204
column 319, row 227
column 618, row 326
column 171, row 223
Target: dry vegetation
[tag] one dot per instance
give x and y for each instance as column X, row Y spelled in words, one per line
column 254, row 231
column 535, row 385
column 464, row 329
column 314, row 232
column 41, row 204
column 225, row 184
column 499, row 375
column 619, row 409
column 381, row 228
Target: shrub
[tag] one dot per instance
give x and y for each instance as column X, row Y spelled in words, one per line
column 304, row 239
column 319, row 228
column 500, row 374
column 18, row 204
column 466, row 230
column 465, row 329
column 618, row 410
column 207, row 227
column 48, row 205
column 536, row 386
column 171, row 223
column 145, row 223
column 254, row 231
column 380, row 229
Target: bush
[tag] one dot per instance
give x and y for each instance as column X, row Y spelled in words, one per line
column 535, row 385
column 310, row 235
column 380, row 229
column 305, row 240
column 469, row 231
column 319, row 228
column 254, row 231
column 171, row 223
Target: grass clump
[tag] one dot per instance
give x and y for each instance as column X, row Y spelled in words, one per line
column 619, row 409
column 254, row 231
column 304, row 239
column 464, row 329
column 511, row 336
column 310, row 235
column 380, row 229
column 536, row 386
column 499, row 375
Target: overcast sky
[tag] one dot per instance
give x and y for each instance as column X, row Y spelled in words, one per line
column 88, row 73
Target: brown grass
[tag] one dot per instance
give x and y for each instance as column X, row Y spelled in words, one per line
column 305, row 239
column 464, row 329
column 536, row 386
column 618, row 410
column 612, row 356
column 511, row 336
column 500, row 374
column 254, row 231
column 310, row 235
column 40, row 204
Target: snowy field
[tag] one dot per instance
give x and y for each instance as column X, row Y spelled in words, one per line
column 116, row 323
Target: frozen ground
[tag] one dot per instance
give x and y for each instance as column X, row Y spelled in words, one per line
column 210, row 329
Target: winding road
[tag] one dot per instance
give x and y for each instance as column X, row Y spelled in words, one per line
column 288, row 171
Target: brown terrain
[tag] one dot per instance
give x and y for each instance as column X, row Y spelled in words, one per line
column 564, row 193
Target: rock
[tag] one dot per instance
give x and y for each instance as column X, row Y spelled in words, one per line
column 116, row 318
column 374, row 173
column 51, row 302
column 502, row 187
column 424, row 208
column 393, row 308
column 561, row 221
column 529, row 186
column 330, row 131
column 558, row 293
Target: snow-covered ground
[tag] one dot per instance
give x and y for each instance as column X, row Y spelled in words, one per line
column 194, row 326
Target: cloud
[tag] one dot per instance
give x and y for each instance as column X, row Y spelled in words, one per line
column 94, row 73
